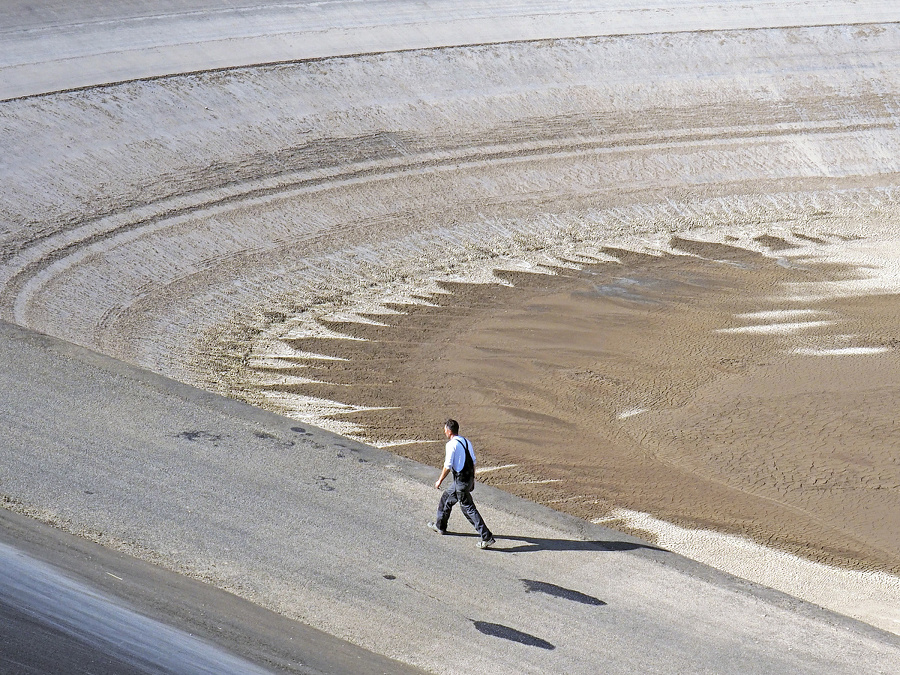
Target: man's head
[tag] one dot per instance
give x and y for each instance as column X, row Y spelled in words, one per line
column 451, row 428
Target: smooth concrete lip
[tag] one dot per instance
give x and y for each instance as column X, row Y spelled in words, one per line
column 78, row 610
column 84, row 54
column 155, row 598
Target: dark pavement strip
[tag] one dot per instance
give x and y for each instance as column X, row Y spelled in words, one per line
column 68, row 605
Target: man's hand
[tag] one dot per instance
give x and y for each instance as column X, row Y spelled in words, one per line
column 437, row 485
column 444, row 472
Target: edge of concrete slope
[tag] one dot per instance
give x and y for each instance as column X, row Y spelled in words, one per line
column 206, row 613
column 417, row 472
column 238, row 33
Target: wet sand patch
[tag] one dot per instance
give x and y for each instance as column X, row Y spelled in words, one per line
column 627, row 385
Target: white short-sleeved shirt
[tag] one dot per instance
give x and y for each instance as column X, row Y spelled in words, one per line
column 456, row 453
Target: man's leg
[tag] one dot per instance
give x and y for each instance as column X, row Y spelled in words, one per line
column 445, row 506
column 467, row 504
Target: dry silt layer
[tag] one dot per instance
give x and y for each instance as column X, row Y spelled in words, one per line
column 683, row 322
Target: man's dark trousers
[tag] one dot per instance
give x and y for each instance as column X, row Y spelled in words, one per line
column 459, row 492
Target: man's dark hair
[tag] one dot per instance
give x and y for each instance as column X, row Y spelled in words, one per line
column 453, row 426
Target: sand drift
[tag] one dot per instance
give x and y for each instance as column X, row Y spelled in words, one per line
column 208, row 225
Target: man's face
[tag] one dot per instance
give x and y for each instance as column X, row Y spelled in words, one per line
column 447, row 432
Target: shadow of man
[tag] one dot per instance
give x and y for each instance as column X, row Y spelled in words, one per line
column 529, row 544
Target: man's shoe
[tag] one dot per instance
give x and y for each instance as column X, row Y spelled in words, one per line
column 434, row 527
column 486, row 543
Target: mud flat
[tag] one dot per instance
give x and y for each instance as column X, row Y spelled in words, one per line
column 651, row 273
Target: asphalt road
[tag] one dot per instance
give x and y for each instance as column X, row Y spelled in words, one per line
column 330, row 533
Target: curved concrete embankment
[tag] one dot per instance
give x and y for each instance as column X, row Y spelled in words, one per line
column 141, row 217
column 53, row 45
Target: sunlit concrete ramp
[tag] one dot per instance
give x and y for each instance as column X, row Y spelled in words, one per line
column 54, row 45
column 332, row 533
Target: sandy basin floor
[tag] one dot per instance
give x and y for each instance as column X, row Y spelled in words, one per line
column 741, row 392
column 672, row 384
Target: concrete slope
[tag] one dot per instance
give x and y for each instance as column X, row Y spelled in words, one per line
column 55, row 45
column 69, row 605
column 331, row 532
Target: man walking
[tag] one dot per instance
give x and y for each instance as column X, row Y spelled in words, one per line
column 460, row 459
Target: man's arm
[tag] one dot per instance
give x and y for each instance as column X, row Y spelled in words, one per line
column 444, row 472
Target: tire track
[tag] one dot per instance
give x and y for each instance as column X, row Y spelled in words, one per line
column 30, row 263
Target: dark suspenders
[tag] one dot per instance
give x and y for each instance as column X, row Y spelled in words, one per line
column 468, row 459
